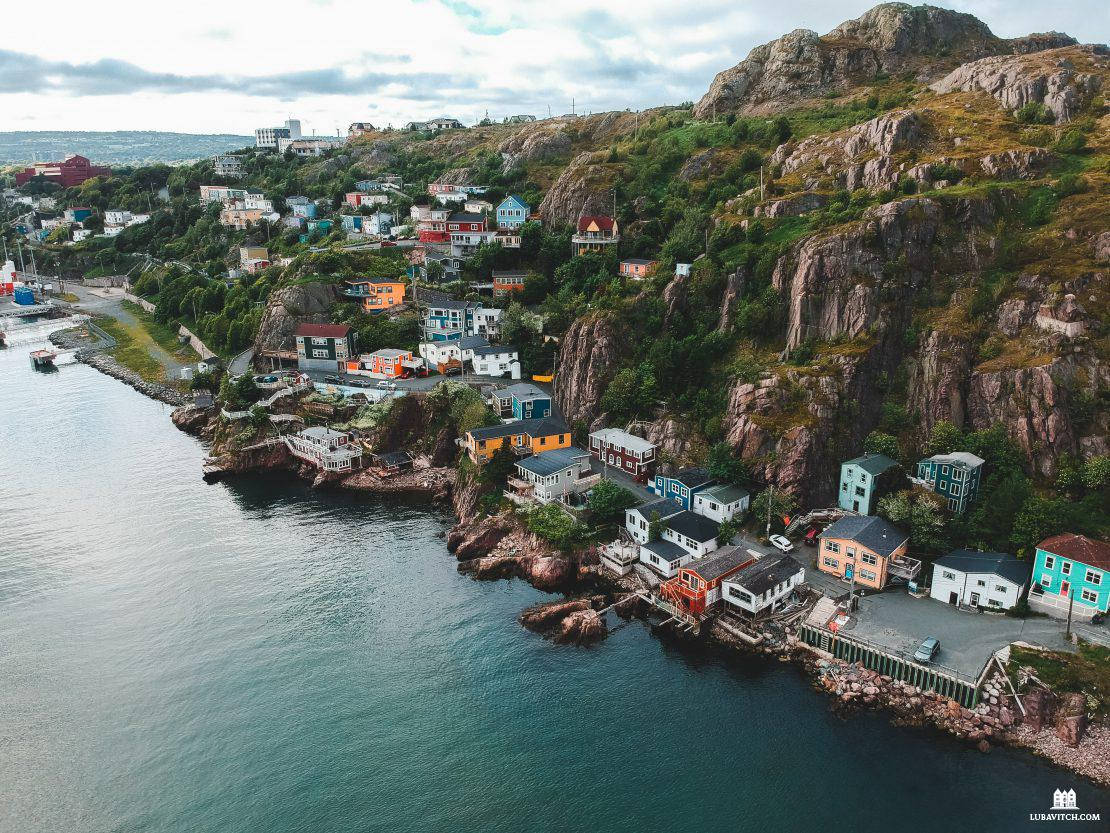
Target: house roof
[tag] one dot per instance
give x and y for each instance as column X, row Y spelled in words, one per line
column 765, row 573
column 321, row 433
column 390, row 353
column 691, row 477
column 493, row 350
column 1078, row 548
column 623, row 439
column 510, row 273
column 995, row 563
column 471, row 342
column 958, row 458
column 522, row 390
column 516, row 199
column 639, row 261
column 667, row 550
column 726, row 494
column 600, row 220
column 393, row 458
column 872, row 463
column 465, row 217
column 720, row 562
column 544, row 427
column 323, row 330
column 875, row 533
column 550, row 462
column 697, row 527
column 665, row 508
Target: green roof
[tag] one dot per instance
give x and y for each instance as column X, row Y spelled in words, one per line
column 873, row 464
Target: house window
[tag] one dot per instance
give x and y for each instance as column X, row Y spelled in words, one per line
column 830, row 562
column 1000, row 588
column 869, row 558
column 949, row 576
column 832, row 546
column 1065, row 568
column 860, row 492
column 1089, row 596
column 867, row 574
column 1046, row 581
column 319, row 354
column 1094, row 577
column 1049, row 562
column 981, row 583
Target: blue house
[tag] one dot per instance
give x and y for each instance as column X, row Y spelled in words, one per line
column 860, row 482
column 1071, row 571
column 522, row 401
column 446, row 319
column 682, row 485
column 512, row 212
column 955, row 477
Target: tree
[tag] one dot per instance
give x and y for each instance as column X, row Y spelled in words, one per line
column 608, row 502
column 879, row 443
column 782, row 505
column 496, row 470
column 922, row 513
column 655, row 526
column 554, row 525
column 944, row 437
column 1038, row 519
column 725, row 466
column 726, row 531
column 632, row 392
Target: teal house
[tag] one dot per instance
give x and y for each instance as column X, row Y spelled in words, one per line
column 863, row 480
column 512, row 212
column 1071, row 571
column 955, row 477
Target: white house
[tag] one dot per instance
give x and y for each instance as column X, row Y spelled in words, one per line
column 324, row 448
column 496, row 361
column 981, row 579
column 437, row 353
column 638, row 518
column 551, row 475
column 763, row 585
column 721, row 503
column 683, row 536
column 115, row 217
column 487, row 322
column 664, row 557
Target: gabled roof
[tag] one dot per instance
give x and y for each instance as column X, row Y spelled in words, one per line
column 667, row 550
column 765, row 573
column 471, row 342
column 725, row 494
column 522, row 391
column 550, row 462
column 623, row 439
column 963, row 459
column 875, row 533
column 719, row 563
column 494, row 350
column 1078, row 548
column 691, row 477
column 993, row 563
column 544, row 427
column 516, row 199
column 390, row 353
column 510, row 273
column 665, row 508
column 600, row 220
column 694, row 526
column 323, row 330
column 872, row 463
column 465, row 217
column 639, row 261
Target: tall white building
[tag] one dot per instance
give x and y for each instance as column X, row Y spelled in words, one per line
column 267, row 137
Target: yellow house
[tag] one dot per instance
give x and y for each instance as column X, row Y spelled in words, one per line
column 376, row 295
column 529, row 436
column 867, row 547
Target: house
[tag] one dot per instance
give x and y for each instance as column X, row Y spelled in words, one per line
column 496, row 361
column 446, row 319
column 247, row 253
column 326, row 449
column 637, row 520
column 507, row 238
column 523, row 436
column 315, row 146
column 682, row 270
column 115, row 217
column 80, row 213
column 595, row 233
column 1071, row 570
column 860, row 478
column 862, row 547
column 69, row 173
column 512, row 212
column 466, row 243
column 692, row 534
column 721, row 503
column 508, row 281
column 473, row 205
column 682, row 485
column 697, row 587
column 468, row 344
column 241, row 218
column 389, row 362
column 228, row 166
column 638, row 268
column 356, row 199
column 954, row 476
column 391, row 462
column 979, row 579
column 375, row 295
column 325, row 346
column 553, row 475
column 443, row 123
column 255, row 266
column 521, row 119
column 431, row 223
column 359, row 128
column 664, row 557
column 487, row 321
column 763, row 585
column 305, row 210
column 629, row 453
column 521, row 401
column 379, row 223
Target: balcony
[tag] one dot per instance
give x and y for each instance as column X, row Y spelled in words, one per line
column 905, row 567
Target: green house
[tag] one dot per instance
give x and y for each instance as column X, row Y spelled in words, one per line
column 863, row 480
column 955, row 477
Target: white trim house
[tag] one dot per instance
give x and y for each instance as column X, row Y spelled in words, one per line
column 764, row 584
column 721, row 503
column 979, row 579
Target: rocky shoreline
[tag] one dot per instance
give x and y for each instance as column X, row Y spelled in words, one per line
column 106, row 364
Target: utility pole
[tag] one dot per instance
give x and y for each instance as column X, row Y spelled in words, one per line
column 761, row 182
column 770, row 500
column 1071, row 603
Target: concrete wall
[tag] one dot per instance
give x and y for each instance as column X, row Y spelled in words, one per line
column 195, row 342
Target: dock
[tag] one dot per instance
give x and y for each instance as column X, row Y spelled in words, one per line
column 43, row 358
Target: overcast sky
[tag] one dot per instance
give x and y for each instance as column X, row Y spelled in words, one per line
column 233, row 65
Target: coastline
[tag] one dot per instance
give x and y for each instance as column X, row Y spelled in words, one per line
column 109, row 366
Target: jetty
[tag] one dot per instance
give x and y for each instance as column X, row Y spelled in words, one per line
column 43, row 358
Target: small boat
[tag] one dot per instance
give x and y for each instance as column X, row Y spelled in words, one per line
column 43, row 358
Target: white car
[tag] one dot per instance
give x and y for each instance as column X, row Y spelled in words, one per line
column 781, row 544
column 387, row 386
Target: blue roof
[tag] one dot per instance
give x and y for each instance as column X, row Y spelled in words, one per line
column 513, row 198
column 550, row 462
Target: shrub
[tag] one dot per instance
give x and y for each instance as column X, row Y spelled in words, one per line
column 1071, row 142
column 1034, row 113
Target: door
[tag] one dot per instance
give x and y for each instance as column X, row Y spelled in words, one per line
column 953, row 598
column 855, row 505
column 1065, row 589
column 975, row 599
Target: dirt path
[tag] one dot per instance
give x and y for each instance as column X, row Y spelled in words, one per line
column 109, row 302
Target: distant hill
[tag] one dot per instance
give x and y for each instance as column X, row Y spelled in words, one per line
column 121, row 147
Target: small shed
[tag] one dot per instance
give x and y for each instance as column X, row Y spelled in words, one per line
column 392, row 462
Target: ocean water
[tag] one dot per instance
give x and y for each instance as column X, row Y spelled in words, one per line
column 257, row 656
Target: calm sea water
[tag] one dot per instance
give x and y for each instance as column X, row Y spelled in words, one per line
column 255, row 656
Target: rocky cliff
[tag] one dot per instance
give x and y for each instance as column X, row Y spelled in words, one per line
column 589, row 355
column 288, row 308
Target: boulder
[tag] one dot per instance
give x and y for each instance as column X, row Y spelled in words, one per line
column 1071, row 718
column 1040, row 708
column 581, row 628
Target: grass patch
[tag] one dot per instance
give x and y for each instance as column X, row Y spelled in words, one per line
column 129, row 350
column 164, row 334
column 1087, row 671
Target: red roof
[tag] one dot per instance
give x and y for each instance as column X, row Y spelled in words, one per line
column 1078, row 548
column 603, row 223
column 323, row 330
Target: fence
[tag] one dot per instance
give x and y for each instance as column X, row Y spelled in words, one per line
column 142, row 302
column 194, row 341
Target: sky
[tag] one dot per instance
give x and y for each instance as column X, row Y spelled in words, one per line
column 234, row 65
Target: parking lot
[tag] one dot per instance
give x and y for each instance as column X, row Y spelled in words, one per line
column 898, row 621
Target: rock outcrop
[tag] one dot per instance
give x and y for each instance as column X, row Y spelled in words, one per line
column 583, row 187
column 546, row 143
column 288, row 308
column 572, row 622
column 589, row 355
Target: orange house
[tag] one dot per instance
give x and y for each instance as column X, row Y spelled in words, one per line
column 376, row 295
column 525, row 436
column 505, row 283
column 864, row 546
column 697, row 587
column 638, row 268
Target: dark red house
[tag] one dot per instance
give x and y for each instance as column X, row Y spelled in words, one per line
column 697, row 587
column 631, row 454
column 462, row 221
column 70, row 172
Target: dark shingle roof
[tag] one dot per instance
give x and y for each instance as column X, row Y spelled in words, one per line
column 764, row 574
column 726, row 494
column 493, row 350
column 875, row 533
column 872, row 463
column 693, row 526
column 470, row 342
column 666, row 508
column 718, row 563
column 532, row 427
column 692, row 477
column 550, row 462
column 998, row 563
column 667, row 550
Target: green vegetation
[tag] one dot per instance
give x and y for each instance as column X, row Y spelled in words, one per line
column 1086, row 671
column 163, row 334
column 608, row 502
column 131, row 350
column 555, row 526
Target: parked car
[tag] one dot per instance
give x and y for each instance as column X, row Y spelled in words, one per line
column 333, row 379
column 452, row 370
column 811, row 537
column 360, row 383
column 384, row 385
column 927, row 650
column 781, row 543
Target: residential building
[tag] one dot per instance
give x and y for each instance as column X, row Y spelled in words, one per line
column 355, row 199
column 637, row 520
column 512, row 212
column 682, row 270
column 979, row 579
column 508, row 281
column 521, row 401
column 431, row 224
column 243, row 218
column 763, row 585
column 443, row 123
column 80, row 213
column 694, row 535
column 228, row 166
column 507, row 238
column 487, row 321
column 326, row 449
column 446, row 319
column 255, row 265
column 325, row 346
column 629, row 453
column 389, row 362
column 359, row 128
column 1071, row 571
column 466, row 243
column 523, row 437
column 864, row 479
column 375, row 295
column 473, row 205
column 302, row 207
column 378, row 224
column 117, row 217
column 552, row 475
column 955, row 477
column 638, row 268
column 496, row 361
column 221, row 193
column 721, row 503
column 697, row 587
column 267, row 137
column 867, row 547
column 682, row 485
column 664, row 557
column 249, row 252
column 595, row 233
column 69, row 173
column 315, row 146
column 520, row 119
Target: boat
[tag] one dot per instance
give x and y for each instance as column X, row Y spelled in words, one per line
column 43, row 358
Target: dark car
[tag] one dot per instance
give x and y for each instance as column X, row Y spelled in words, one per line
column 360, row 383
column 453, row 370
column 333, row 379
column 927, row 650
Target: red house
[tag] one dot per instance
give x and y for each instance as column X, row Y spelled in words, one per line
column 461, row 221
column 70, row 172
column 697, row 587
column 629, row 453
column 508, row 281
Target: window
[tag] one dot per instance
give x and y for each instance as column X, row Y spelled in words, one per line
column 1093, row 577
column 319, row 354
column 1046, row 581
column 739, row 594
column 1065, row 568
column 1049, row 562
column 830, row 562
column 832, row 546
column 867, row 574
column 949, row 576
column 994, row 603
column 844, row 488
column 860, row 492
column 981, row 583
column 869, row 558
column 1000, row 588
column 1089, row 596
